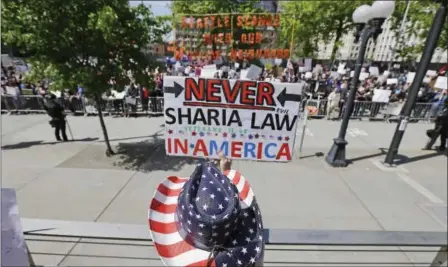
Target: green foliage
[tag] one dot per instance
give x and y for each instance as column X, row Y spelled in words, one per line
column 87, row 41
column 419, row 20
column 313, row 21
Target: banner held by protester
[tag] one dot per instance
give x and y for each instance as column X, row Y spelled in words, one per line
column 245, row 119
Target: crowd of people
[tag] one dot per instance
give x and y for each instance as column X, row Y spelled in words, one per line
column 325, row 85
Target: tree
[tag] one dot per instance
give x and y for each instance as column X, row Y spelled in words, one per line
column 315, row 21
column 87, row 42
column 418, row 23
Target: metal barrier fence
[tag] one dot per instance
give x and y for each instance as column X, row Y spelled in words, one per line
column 368, row 110
column 83, row 105
column 154, row 105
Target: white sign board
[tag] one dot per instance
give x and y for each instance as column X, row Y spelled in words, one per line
column 431, row 73
column 341, row 68
column 14, row 251
column 392, row 81
column 410, row 77
column 245, row 119
column 208, row 71
column 254, row 72
column 243, row 74
column 381, row 96
column 363, row 76
column 334, row 74
column 441, row 83
column 302, row 69
column 374, row 71
column 211, row 66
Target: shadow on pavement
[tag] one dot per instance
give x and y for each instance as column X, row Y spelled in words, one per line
column 149, row 155
column 130, row 138
column 23, row 145
column 400, row 159
column 383, row 151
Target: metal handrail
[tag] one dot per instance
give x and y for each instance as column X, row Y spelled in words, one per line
column 129, row 232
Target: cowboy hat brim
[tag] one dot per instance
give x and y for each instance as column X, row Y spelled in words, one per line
column 169, row 240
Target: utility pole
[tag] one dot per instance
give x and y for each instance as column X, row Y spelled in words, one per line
column 431, row 43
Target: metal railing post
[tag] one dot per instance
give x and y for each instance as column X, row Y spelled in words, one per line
column 441, row 257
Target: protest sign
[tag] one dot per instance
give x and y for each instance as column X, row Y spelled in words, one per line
column 14, row 250
column 441, row 83
column 381, row 96
column 243, row 75
column 374, row 71
column 308, row 64
column 392, row 81
column 252, row 120
column 431, row 73
column 410, row 77
column 341, row 68
column 302, row 69
column 334, row 74
column 208, row 71
column 363, row 76
column 253, row 72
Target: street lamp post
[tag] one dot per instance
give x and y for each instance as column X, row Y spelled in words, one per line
column 369, row 20
column 431, row 43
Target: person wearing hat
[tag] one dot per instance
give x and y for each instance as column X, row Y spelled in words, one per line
column 209, row 219
column 55, row 110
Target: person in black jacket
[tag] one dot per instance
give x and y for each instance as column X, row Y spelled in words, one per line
column 56, row 112
column 440, row 129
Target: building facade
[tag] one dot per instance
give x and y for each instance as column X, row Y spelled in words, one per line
column 381, row 50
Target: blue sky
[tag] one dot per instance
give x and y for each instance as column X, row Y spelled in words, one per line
column 159, row 8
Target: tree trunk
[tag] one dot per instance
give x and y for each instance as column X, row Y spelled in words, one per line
column 336, row 40
column 109, row 150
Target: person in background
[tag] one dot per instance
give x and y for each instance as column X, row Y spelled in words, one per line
column 440, row 129
column 55, row 110
column 144, row 95
column 132, row 94
column 442, row 121
column 437, row 102
column 333, row 102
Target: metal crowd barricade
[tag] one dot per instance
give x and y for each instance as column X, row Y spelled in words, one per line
column 154, row 106
column 366, row 110
column 283, row 246
column 23, row 103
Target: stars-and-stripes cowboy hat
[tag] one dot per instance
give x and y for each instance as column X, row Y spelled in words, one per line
column 209, row 219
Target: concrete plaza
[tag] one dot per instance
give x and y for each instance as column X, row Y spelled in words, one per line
column 76, row 181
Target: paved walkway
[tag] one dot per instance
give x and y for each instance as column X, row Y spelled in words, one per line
column 75, row 181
